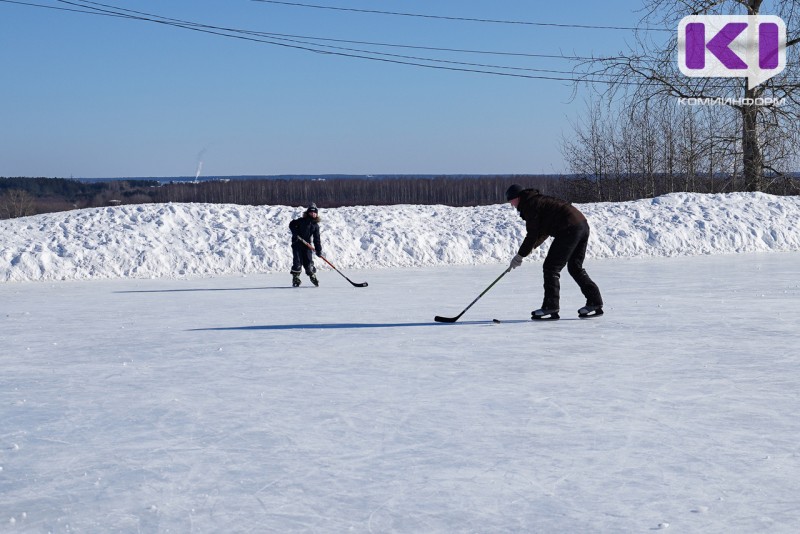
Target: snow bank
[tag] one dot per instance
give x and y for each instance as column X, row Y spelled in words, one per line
column 181, row 240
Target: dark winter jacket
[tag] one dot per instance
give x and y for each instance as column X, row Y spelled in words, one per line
column 307, row 228
column 544, row 217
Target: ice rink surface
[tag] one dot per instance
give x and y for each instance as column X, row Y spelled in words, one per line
column 239, row 404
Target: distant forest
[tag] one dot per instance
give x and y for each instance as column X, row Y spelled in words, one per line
column 30, row 196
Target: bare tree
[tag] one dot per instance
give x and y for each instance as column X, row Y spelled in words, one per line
column 589, row 154
column 769, row 113
column 16, row 203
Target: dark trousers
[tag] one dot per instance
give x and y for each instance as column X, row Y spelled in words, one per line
column 568, row 249
column 302, row 258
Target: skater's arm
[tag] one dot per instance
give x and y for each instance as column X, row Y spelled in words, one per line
column 317, row 242
column 533, row 238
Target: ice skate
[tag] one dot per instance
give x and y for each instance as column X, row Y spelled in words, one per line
column 590, row 310
column 545, row 314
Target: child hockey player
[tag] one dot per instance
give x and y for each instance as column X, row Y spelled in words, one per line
column 306, row 228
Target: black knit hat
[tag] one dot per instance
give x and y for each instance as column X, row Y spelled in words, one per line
column 513, row 192
column 312, row 208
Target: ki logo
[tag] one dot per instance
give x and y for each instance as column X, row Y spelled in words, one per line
column 732, row 46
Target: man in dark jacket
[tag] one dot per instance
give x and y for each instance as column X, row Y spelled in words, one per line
column 307, row 228
column 545, row 217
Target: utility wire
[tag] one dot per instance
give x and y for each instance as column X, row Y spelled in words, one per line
column 31, row 4
column 441, row 49
column 416, row 58
column 463, row 19
column 95, row 8
column 369, row 43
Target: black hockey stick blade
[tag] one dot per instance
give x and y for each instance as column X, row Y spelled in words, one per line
column 440, row 319
column 362, row 284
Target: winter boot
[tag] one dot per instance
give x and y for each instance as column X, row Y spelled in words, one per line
column 296, row 280
column 545, row 314
column 590, row 310
column 314, row 280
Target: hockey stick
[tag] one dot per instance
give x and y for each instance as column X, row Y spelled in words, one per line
column 439, row 319
column 362, row 284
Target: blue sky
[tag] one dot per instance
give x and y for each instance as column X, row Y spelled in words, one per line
column 94, row 96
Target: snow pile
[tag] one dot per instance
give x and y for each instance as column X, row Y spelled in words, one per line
column 692, row 224
column 180, row 240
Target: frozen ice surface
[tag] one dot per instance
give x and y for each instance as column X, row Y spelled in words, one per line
column 239, row 404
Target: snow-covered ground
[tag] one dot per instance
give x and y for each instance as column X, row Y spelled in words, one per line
column 154, row 381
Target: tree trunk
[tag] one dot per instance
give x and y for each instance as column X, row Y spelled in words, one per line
column 753, row 158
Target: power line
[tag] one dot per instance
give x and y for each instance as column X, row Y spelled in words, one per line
column 417, row 58
column 107, row 10
column 370, row 43
column 463, row 19
column 441, row 49
column 272, row 39
column 31, row 4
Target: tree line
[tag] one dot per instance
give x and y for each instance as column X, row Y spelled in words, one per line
column 343, row 191
column 612, row 162
column 29, row 196
column 20, row 197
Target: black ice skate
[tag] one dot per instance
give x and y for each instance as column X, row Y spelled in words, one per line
column 296, row 280
column 590, row 310
column 314, row 280
column 545, row 314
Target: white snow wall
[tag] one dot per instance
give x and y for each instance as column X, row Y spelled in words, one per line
column 183, row 240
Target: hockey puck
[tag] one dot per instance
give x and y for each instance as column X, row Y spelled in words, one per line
column 495, row 320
